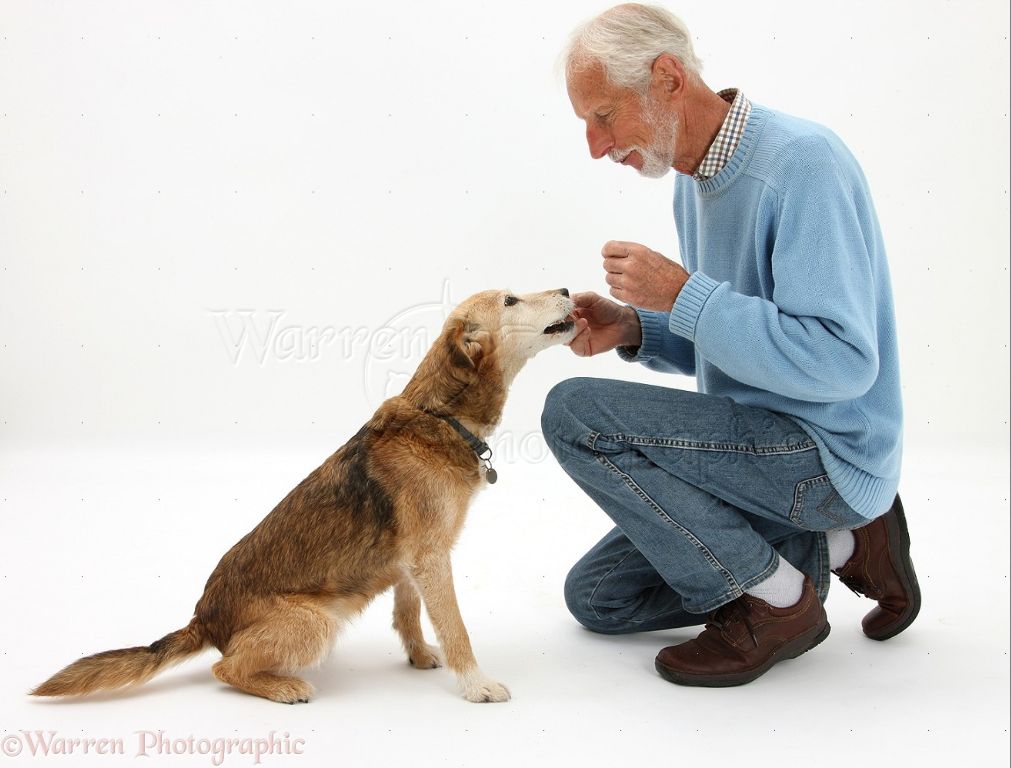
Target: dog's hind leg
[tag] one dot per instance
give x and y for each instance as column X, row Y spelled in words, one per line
column 290, row 633
column 407, row 622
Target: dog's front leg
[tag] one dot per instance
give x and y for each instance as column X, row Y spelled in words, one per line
column 434, row 578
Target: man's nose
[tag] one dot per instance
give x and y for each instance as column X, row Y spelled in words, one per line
column 598, row 141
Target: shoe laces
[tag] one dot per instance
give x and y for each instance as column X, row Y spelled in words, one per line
column 860, row 587
column 727, row 614
column 852, row 584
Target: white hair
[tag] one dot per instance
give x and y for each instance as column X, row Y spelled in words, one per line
column 626, row 40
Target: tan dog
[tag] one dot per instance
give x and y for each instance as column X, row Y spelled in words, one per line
column 383, row 511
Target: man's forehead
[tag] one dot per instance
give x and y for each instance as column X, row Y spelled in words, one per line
column 589, row 75
column 588, row 89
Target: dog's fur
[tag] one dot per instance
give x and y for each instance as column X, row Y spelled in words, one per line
column 383, row 511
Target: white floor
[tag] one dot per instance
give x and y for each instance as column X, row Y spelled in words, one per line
column 110, row 548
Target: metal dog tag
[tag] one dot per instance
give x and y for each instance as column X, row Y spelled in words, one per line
column 490, row 475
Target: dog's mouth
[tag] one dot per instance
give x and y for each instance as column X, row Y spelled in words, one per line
column 560, row 326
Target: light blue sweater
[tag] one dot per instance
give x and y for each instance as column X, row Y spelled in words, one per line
column 789, row 305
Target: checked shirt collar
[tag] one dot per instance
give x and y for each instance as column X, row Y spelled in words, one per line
column 726, row 141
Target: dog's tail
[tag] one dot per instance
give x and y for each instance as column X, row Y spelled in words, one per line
column 125, row 666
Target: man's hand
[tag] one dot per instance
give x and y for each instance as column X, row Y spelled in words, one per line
column 602, row 325
column 641, row 277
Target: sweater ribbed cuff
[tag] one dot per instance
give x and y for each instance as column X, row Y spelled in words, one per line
column 693, row 297
column 651, row 335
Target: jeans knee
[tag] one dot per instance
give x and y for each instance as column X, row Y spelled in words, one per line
column 578, row 591
column 560, row 423
column 577, row 597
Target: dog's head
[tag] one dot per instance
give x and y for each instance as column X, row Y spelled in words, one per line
column 485, row 341
column 513, row 326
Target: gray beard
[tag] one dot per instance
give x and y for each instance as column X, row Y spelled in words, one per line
column 658, row 156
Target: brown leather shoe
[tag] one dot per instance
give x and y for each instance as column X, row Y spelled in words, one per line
column 744, row 639
column 880, row 568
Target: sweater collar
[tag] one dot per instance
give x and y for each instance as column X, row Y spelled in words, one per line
column 742, row 155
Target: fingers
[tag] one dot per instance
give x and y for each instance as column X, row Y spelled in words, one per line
column 615, row 265
column 617, row 290
column 619, row 249
column 584, row 299
column 620, row 256
column 580, row 343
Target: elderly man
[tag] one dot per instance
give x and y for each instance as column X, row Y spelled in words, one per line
column 735, row 501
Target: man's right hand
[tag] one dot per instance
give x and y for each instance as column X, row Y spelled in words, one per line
column 602, row 325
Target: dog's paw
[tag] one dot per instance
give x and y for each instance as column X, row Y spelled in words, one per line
column 292, row 691
column 425, row 656
column 485, row 690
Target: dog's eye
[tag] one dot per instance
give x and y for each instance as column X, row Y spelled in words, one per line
column 510, row 300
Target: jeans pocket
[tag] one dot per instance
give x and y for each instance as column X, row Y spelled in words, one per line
column 817, row 506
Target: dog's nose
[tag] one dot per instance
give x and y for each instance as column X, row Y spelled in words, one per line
column 563, row 291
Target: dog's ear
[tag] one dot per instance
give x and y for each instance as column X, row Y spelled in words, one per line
column 467, row 344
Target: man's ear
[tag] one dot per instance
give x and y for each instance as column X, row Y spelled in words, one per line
column 668, row 76
column 467, row 344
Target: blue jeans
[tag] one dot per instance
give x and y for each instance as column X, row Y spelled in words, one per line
column 705, row 495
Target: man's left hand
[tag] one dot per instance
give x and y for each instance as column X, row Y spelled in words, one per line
column 642, row 277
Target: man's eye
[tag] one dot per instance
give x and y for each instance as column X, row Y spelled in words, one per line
column 510, row 300
column 603, row 117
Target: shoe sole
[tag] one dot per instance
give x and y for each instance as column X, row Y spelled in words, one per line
column 791, row 650
column 898, row 548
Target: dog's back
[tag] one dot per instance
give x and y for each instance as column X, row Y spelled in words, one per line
column 333, row 536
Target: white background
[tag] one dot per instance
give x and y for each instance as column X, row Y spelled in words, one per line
column 227, row 230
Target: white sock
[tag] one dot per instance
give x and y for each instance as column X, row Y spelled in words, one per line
column 840, row 548
column 782, row 589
